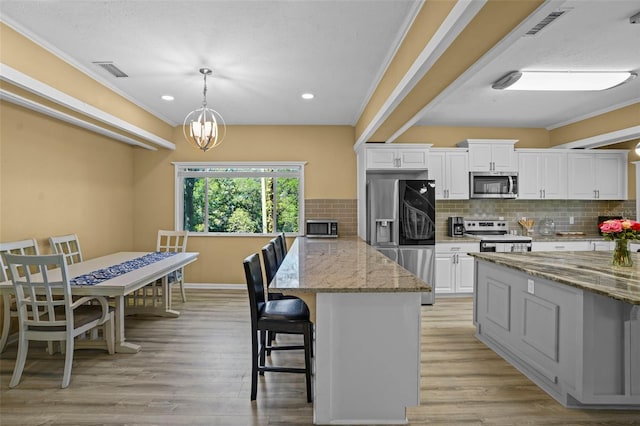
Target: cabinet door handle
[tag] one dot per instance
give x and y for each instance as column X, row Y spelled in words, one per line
column 540, row 193
column 544, row 193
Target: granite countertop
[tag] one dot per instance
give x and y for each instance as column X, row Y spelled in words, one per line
column 573, row 237
column 463, row 239
column 535, row 238
column 587, row 270
column 342, row 265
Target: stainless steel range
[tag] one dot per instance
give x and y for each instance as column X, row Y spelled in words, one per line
column 494, row 236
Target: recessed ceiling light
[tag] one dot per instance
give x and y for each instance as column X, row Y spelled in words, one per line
column 563, row 80
column 308, row 96
column 167, row 97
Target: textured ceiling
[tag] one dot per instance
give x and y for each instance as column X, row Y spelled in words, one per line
column 265, row 54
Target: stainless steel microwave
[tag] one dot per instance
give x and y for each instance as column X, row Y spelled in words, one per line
column 493, row 185
column 322, row 228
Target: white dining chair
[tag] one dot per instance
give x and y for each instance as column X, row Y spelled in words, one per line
column 69, row 246
column 9, row 300
column 155, row 294
column 175, row 241
column 47, row 312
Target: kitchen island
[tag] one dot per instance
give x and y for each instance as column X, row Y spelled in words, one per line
column 366, row 310
column 569, row 321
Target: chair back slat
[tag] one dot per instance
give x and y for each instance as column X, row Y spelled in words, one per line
column 278, row 249
column 283, row 243
column 69, row 246
column 270, row 262
column 43, row 291
column 175, row 241
column 29, row 247
column 255, row 285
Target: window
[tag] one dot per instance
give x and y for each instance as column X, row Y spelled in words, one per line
column 239, row 198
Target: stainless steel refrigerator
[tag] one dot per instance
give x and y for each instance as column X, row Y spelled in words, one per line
column 401, row 224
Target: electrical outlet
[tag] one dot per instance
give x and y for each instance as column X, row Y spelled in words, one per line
column 530, row 286
column 571, row 221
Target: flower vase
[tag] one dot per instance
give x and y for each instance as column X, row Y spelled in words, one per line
column 622, row 254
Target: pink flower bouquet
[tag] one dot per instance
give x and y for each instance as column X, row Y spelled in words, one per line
column 620, row 229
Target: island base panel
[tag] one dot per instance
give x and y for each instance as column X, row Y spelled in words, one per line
column 367, row 359
column 582, row 348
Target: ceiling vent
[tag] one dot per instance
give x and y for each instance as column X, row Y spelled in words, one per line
column 111, row 69
column 546, row 21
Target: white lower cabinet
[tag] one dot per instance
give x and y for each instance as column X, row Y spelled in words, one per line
column 454, row 268
column 584, row 245
column 601, row 245
column 561, row 246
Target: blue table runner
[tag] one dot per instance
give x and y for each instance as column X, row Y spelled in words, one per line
column 100, row 275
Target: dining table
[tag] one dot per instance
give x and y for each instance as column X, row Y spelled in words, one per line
column 119, row 275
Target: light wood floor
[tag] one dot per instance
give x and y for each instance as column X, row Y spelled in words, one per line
column 195, row 370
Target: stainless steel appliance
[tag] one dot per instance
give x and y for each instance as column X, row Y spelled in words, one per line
column 494, row 236
column 493, row 185
column 455, row 226
column 322, row 228
column 401, row 224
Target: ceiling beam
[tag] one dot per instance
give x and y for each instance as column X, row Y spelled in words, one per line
column 495, row 21
column 610, row 138
column 457, row 19
column 59, row 115
column 23, row 81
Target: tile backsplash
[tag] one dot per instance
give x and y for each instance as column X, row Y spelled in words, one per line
column 343, row 210
column 584, row 213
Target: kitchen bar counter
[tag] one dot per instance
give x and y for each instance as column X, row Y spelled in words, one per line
column 569, row 321
column 587, row 270
column 342, row 265
column 366, row 311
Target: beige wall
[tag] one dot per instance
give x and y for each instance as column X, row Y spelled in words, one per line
column 330, row 172
column 58, row 179
column 622, row 118
column 447, row 137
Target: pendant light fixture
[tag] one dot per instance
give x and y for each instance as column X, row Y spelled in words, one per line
column 204, row 127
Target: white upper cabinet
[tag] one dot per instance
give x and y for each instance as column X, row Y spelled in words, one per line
column 491, row 155
column 396, row 156
column 542, row 174
column 450, row 169
column 597, row 175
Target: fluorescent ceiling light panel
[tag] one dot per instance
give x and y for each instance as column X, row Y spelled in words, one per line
column 562, row 80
